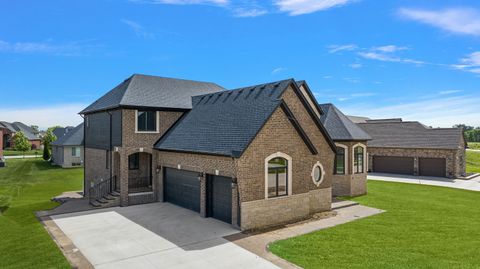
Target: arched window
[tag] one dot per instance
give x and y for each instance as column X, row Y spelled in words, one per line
column 278, row 175
column 358, row 159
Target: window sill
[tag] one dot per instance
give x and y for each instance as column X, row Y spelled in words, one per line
column 278, row 197
column 147, row 132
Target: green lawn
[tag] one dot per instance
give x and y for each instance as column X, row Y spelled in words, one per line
column 474, row 145
column 473, row 162
column 9, row 152
column 424, row 227
column 26, row 185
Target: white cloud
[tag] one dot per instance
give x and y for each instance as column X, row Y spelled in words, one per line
column 355, row 65
column 277, row 70
column 387, row 57
column 389, row 48
column 65, row 114
column 138, row 29
column 339, row 48
column 470, row 63
column 440, row 112
column 48, row 47
column 249, row 12
column 448, row 92
column 299, row 7
column 455, row 20
column 352, row 80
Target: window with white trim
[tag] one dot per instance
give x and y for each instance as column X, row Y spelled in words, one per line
column 358, row 160
column 75, row 152
column 340, row 161
column 318, row 174
column 277, row 177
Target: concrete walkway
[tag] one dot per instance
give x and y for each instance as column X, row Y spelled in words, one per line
column 21, row 156
column 472, row 184
column 258, row 243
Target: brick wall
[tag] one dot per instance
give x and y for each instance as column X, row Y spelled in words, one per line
column 350, row 183
column 95, row 167
column 454, row 166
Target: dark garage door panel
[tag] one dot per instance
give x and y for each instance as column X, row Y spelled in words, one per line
column 182, row 188
column 219, row 198
column 435, row 167
column 391, row 164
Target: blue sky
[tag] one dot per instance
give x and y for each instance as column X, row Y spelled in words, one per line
column 419, row 60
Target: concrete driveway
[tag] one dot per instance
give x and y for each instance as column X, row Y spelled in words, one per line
column 158, row 235
column 472, row 184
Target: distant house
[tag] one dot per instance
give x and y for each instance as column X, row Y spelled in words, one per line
column 67, row 150
column 411, row 148
column 10, row 129
column 61, row 131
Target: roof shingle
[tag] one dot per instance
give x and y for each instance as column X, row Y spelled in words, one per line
column 74, row 137
column 339, row 126
column 152, row 91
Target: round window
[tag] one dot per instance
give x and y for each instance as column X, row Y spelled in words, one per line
column 318, row 173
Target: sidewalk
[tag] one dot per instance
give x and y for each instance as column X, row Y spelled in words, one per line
column 21, row 156
column 472, row 184
column 258, row 243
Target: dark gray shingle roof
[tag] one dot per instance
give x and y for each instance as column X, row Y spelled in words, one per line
column 61, row 131
column 339, row 126
column 21, row 127
column 224, row 123
column 411, row 134
column 153, row 91
column 73, row 137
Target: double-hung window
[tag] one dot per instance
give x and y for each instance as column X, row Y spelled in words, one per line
column 358, row 160
column 76, row 152
column 340, row 161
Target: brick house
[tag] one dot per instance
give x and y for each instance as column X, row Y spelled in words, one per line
column 350, row 171
column 10, row 129
column 411, row 148
column 253, row 157
column 67, row 150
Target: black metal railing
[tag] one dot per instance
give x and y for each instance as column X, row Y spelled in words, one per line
column 139, row 184
column 101, row 189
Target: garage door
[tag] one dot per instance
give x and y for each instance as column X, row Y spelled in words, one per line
column 434, row 167
column 394, row 165
column 219, row 198
column 182, row 188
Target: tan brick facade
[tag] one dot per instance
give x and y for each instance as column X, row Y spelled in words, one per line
column 455, row 159
column 350, row 183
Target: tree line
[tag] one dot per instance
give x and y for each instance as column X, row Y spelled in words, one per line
column 472, row 134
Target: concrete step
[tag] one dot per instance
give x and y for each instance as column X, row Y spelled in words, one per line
column 342, row 204
column 109, row 197
column 115, row 193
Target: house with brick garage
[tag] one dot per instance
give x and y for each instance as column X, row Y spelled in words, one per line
column 411, row 148
column 67, row 150
column 10, row 129
column 253, row 157
column 350, row 167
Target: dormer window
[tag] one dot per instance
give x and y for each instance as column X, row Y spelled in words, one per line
column 146, row 121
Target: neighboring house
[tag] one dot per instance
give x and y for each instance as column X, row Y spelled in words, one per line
column 411, row 148
column 253, row 157
column 67, row 150
column 61, row 131
column 350, row 171
column 10, row 129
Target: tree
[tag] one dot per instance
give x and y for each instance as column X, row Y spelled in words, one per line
column 47, row 140
column 46, row 153
column 34, row 127
column 463, row 126
column 21, row 142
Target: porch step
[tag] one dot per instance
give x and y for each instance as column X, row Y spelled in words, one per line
column 115, row 193
column 342, row 204
column 95, row 204
column 109, row 197
column 102, row 200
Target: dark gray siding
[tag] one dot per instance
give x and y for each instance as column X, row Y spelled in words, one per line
column 97, row 129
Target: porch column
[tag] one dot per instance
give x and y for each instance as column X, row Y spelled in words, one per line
column 123, row 179
column 203, row 195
